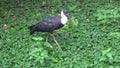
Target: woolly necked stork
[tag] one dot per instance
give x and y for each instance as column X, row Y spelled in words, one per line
column 49, row 24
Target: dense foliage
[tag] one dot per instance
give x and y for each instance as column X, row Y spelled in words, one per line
column 93, row 42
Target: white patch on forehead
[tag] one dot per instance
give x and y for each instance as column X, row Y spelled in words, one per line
column 64, row 18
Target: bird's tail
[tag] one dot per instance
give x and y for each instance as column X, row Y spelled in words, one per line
column 32, row 29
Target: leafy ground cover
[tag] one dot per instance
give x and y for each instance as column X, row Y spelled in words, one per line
column 94, row 41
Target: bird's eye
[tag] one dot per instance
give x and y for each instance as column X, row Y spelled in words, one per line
column 65, row 11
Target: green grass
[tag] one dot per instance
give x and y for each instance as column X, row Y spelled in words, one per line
column 94, row 41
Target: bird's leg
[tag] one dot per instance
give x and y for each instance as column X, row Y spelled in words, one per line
column 47, row 37
column 56, row 42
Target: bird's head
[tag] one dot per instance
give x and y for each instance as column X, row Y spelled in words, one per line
column 65, row 14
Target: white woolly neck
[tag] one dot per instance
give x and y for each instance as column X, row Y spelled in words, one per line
column 64, row 18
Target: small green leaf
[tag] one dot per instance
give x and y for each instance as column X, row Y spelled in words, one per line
column 47, row 44
column 110, row 55
column 103, row 58
column 37, row 39
column 105, row 52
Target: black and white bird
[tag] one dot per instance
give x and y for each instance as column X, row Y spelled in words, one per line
column 49, row 24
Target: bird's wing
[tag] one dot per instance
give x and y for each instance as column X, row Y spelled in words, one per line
column 49, row 19
column 48, row 24
column 54, row 21
column 45, row 26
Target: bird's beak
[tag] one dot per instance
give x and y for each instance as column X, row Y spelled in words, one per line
column 71, row 21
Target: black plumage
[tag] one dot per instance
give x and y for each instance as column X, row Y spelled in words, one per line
column 48, row 24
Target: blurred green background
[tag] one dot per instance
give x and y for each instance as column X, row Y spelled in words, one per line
column 94, row 42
